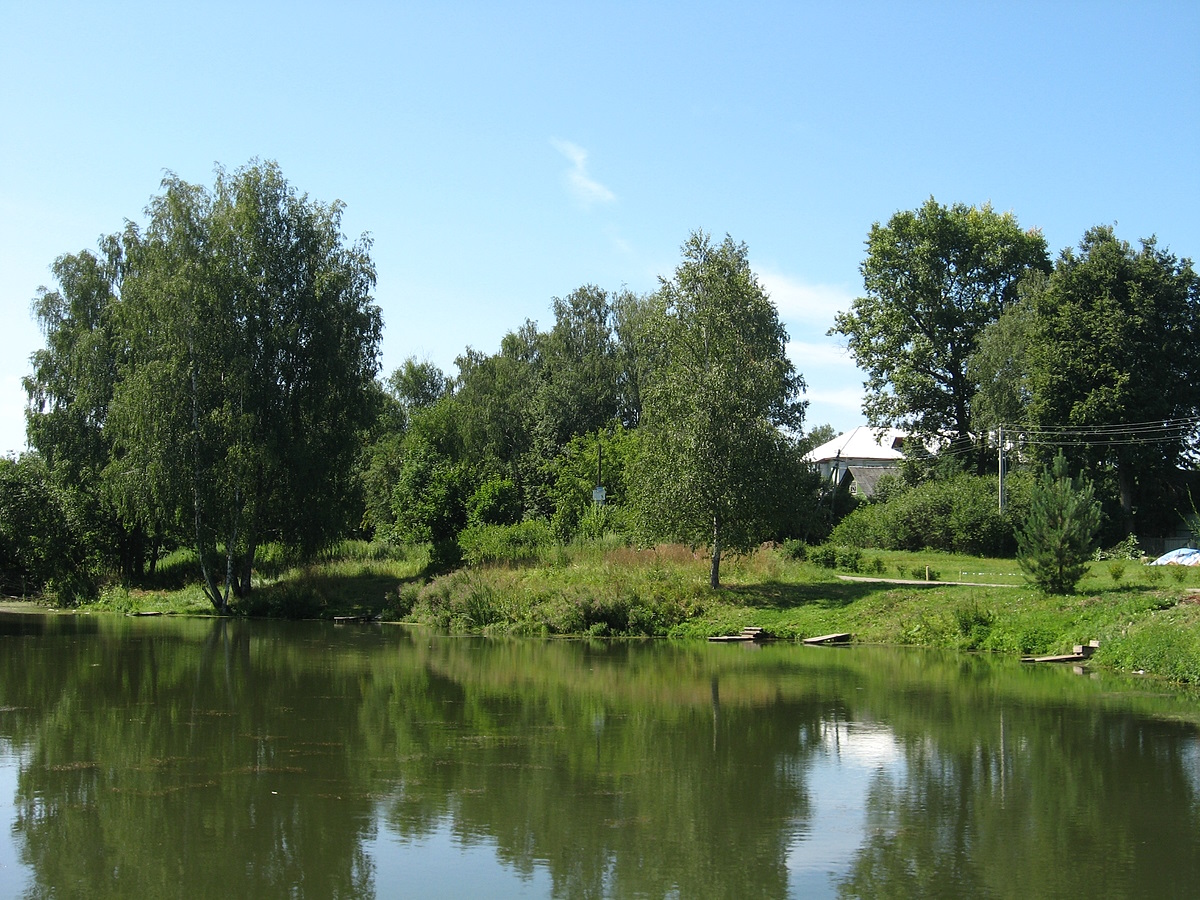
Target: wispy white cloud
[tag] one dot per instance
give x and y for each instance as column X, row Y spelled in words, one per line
column 833, row 383
column 798, row 301
column 585, row 189
column 619, row 242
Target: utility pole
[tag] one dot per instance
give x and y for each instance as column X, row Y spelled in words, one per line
column 1000, row 455
column 837, row 465
column 598, row 490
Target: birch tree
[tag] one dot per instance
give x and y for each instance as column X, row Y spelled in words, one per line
column 713, row 456
column 252, row 352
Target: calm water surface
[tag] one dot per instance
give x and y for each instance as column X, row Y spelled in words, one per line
column 181, row 758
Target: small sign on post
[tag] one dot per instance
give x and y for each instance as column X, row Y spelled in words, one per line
column 598, row 495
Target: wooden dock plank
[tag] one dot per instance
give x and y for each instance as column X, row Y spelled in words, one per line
column 839, row 637
column 749, row 633
column 1080, row 653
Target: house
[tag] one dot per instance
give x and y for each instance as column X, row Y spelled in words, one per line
column 857, row 459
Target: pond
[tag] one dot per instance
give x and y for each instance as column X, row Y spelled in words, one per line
column 170, row 758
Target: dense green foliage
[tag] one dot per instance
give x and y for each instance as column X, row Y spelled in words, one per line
column 612, row 397
column 935, row 278
column 520, row 542
column 1115, row 349
column 515, row 434
column 42, row 539
column 959, row 514
column 70, row 392
column 217, row 369
column 1099, row 360
column 603, row 458
column 207, row 392
column 1059, row 533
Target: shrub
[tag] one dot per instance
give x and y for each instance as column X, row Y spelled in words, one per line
column 958, row 515
column 599, row 520
column 974, row 624
column 867, row 526
column 1129, row 548
column 295, row 599
column 1116, row 570
column 495, row 502
column 795, row 549
column 824, row 556
column 520, row 543
column 849, row 559
column 832, row 556
column 45, row 539
column 400, row 605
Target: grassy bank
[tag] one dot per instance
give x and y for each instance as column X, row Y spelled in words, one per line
column 1146, row 618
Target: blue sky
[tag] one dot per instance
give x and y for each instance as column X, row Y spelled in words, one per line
column 502, row 154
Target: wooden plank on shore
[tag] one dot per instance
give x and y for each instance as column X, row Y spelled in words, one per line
column 839, row 637
column 1080, row 653
column 747, row 634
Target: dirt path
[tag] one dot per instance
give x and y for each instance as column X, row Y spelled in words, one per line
column 916, row 581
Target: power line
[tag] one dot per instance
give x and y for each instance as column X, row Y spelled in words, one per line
column 1124, row 435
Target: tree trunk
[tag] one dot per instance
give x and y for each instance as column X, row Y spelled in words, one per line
column 241, row 587
column 219, row 602
column 1125, row 480
column 714, row 572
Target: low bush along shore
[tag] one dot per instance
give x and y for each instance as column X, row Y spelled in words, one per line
column 1146, row 618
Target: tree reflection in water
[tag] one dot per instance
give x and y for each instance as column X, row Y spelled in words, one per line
column 165, row 757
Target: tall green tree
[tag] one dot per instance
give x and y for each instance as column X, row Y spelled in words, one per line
column 495, row 408
column 1059, row 533
column 252, row 351
column 418, row 383
column 578, row 366
column 413, row 387
column 71, row 385
column 935, row 277
column 634, row 355
column 1000, row 363
column 434, row 481
column 70, row 390
column 712, row 450
column 1114, row 362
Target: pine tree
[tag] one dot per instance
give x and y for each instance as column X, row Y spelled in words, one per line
column 1057, row 539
